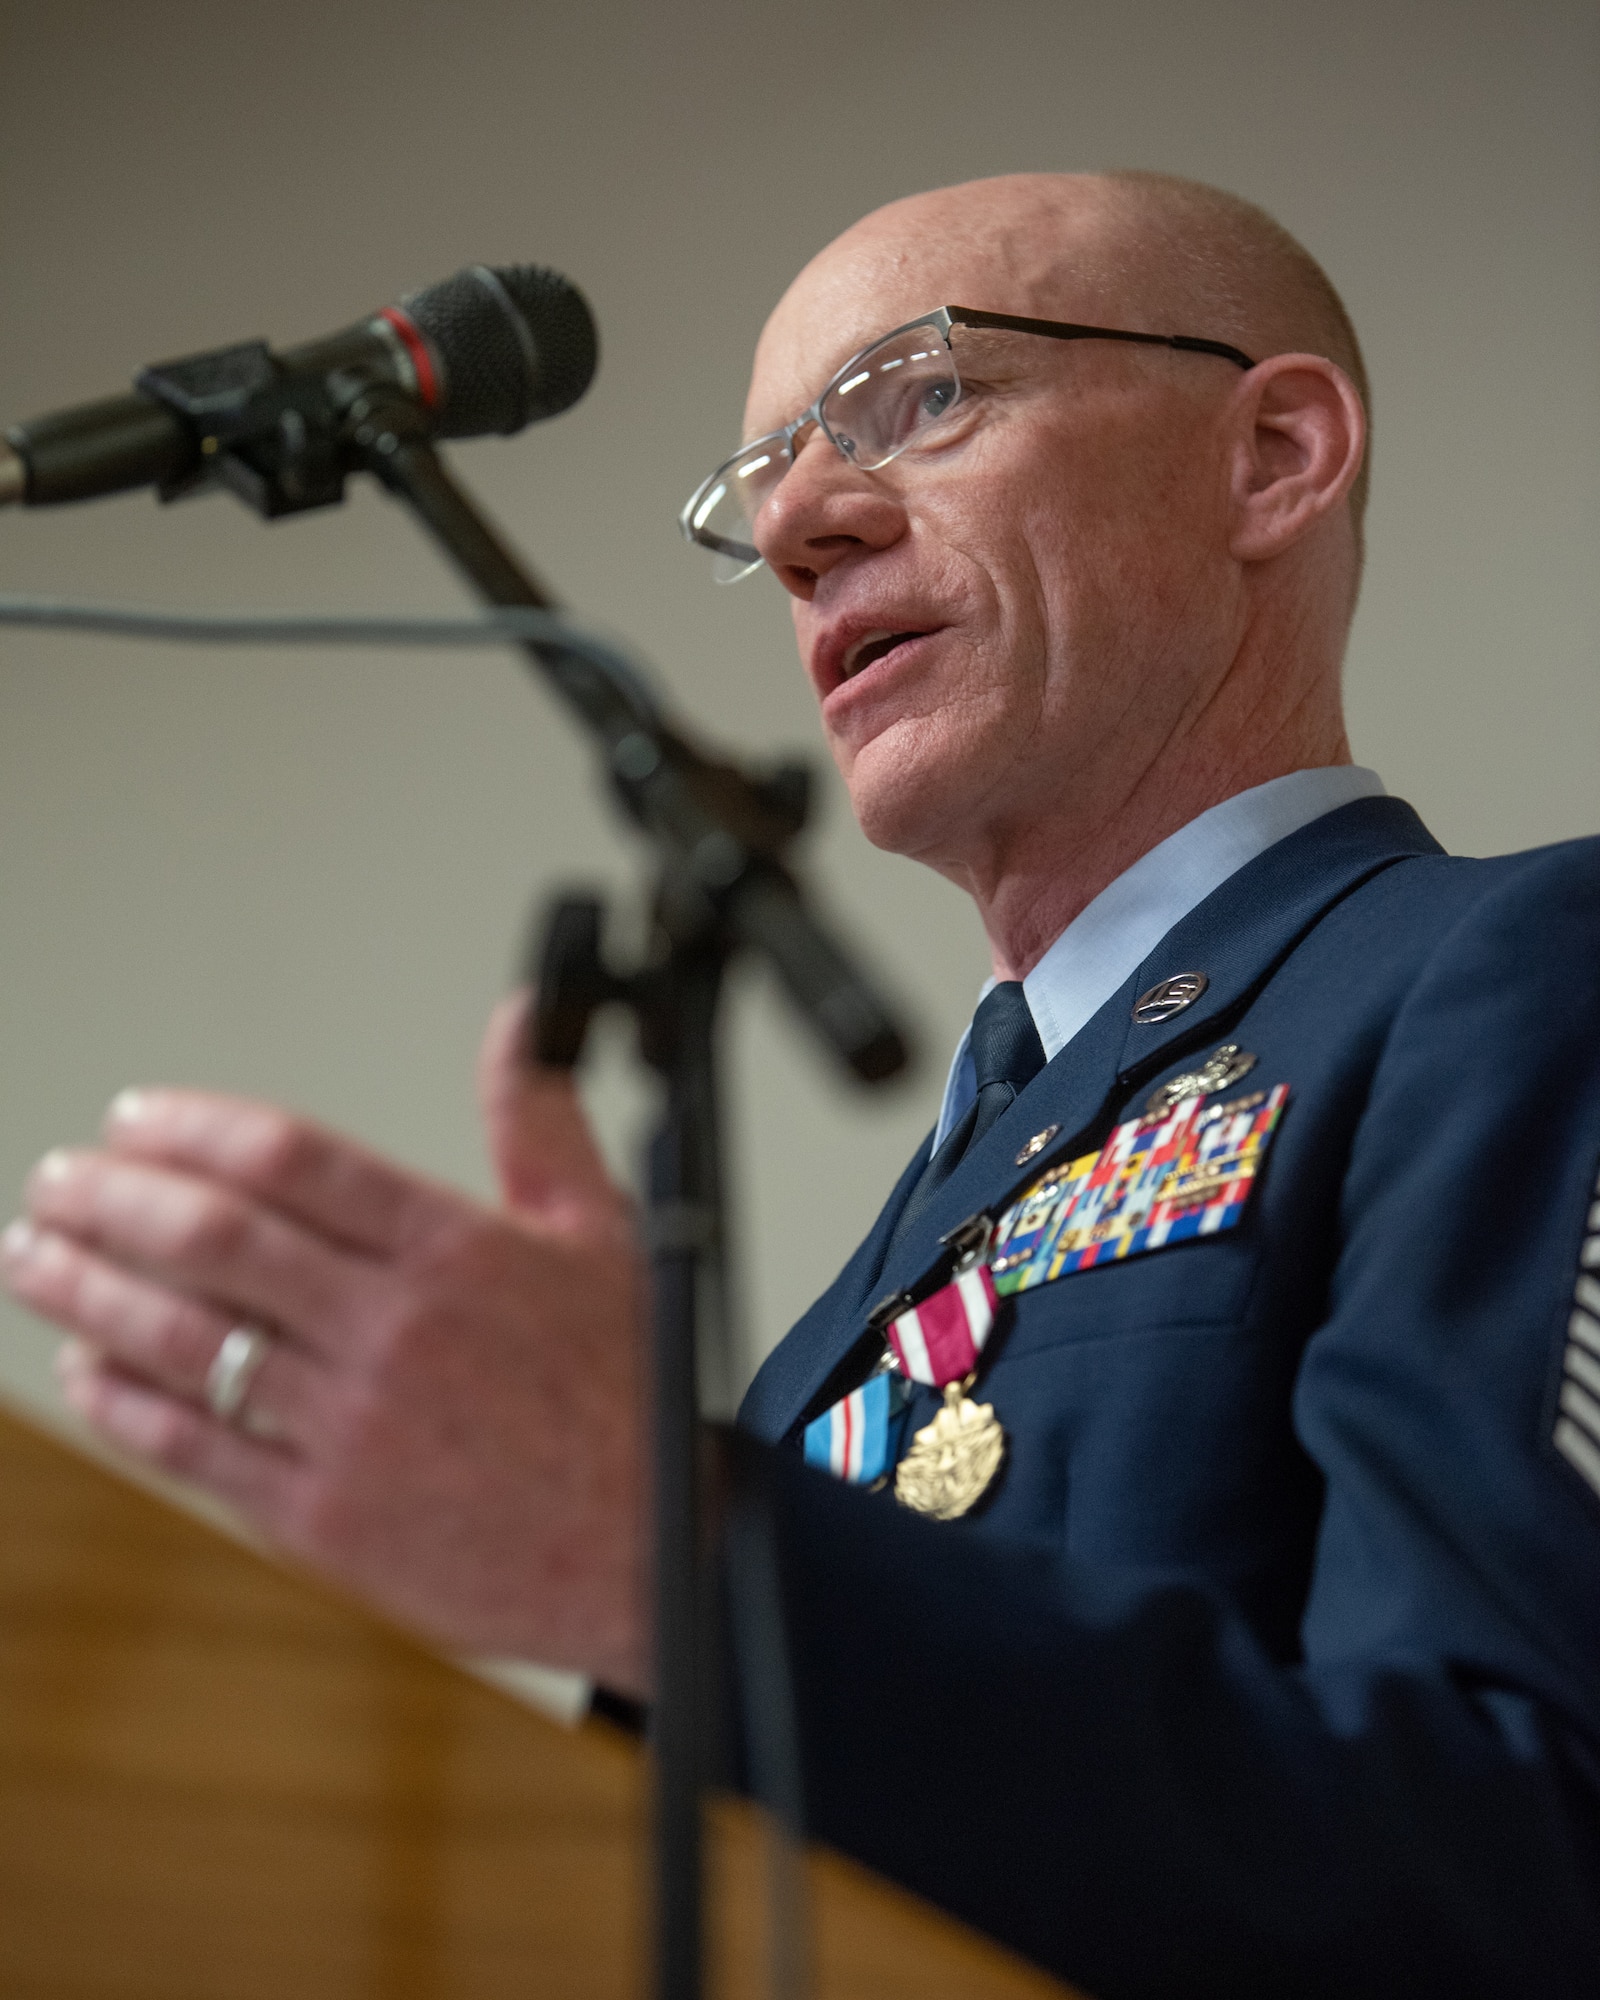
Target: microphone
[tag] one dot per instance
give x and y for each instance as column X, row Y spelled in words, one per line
column 485, row 351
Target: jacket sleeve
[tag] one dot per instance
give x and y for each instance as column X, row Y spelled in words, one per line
column 1110, row 1775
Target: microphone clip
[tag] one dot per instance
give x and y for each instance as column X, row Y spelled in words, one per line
column 270, row 435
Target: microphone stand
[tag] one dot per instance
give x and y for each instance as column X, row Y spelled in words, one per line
column 720, row 833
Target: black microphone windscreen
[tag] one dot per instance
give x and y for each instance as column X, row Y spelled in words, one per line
column 518, row 343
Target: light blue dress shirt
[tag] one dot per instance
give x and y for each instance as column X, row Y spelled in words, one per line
column 1115, row 933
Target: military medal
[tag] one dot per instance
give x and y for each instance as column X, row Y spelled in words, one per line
column 859, row 1438
column 952, row 1461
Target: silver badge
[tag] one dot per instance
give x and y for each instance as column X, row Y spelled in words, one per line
column 1216, row 1073
column 1168, row 997
column 1037, row 1144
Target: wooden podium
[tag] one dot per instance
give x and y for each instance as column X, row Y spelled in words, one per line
column 220, row 1782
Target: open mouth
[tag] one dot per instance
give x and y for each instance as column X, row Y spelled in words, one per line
column 869, row 651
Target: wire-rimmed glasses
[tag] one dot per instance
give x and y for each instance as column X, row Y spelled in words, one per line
column 880, row 402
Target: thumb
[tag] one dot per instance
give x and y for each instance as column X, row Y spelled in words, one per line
column 543, row 1152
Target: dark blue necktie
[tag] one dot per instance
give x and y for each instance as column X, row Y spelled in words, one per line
column 1007, row 1055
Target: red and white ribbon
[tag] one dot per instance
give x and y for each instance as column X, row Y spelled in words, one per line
column 940, row 1340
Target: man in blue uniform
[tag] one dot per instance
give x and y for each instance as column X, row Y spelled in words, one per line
column 1207, row 1598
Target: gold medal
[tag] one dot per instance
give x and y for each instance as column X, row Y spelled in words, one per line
column 952, row 1461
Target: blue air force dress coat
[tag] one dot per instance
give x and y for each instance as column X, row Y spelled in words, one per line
column 1271, row 1665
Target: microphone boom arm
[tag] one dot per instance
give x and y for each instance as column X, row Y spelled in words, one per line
column 721, row 831
column 720, row 834
column 13, row 477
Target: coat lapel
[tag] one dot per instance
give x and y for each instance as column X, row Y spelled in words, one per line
column 787, row 1380
column 1244, row 930
column 1236, row 937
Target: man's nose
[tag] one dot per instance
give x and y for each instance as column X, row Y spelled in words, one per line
column 823, row 511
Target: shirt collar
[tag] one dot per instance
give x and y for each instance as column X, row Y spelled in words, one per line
column 1117, row 931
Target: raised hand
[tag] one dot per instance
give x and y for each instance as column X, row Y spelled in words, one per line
column 446, row 1413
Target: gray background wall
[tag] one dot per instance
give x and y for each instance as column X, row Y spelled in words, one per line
column 303, row 875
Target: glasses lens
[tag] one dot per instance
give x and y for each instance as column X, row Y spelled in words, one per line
column 896, row 389
column 722, row 513
column 727, row 568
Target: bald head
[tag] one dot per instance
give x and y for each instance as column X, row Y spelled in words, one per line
column 1181, row 247
column 1106, row 584
column 1150, row 252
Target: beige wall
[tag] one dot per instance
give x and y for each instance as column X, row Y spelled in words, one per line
column 304, row 875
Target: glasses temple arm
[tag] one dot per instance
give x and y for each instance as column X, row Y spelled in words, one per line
column 1191, row 345
column 1055, row 329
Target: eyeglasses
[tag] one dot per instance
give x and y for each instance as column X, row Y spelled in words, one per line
column 883, row 400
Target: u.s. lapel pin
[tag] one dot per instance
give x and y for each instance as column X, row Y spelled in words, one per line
column 1037, row 1144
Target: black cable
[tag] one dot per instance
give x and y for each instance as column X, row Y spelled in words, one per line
column 268, row 628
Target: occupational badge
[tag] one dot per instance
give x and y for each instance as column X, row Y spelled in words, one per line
column 1036, row 1145
column 1218, row 1072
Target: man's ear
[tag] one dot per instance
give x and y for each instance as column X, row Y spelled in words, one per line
column 1300, row 435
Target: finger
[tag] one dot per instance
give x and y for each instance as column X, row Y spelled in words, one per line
column 545, row 1157
column 168, row 1339
column 258, row 1478
column 199, row 1238
column 328, row 1182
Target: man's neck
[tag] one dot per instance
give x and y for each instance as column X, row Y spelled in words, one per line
column 1055, row 869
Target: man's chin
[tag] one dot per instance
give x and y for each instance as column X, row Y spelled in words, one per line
column 908, row 799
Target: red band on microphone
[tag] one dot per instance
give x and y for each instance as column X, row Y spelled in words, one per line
column 420, row 352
